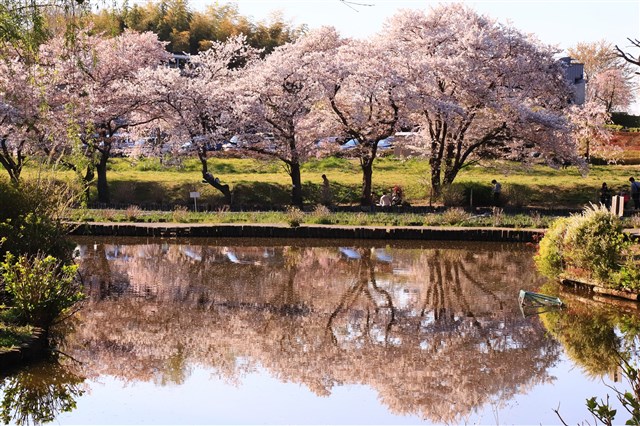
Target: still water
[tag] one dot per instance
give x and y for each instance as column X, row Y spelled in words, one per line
column 318, row 332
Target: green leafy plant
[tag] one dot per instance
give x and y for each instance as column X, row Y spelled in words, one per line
column 549, row 259
column 594, row 242
column 30, row 219
column 40, row 287
column 603, row 411
column 589, row 246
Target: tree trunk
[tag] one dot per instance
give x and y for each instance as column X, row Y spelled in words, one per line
column 367, row 178
column 11, row 165
column 103, row 185
column 14, row 172
column 212, row 180
column 296, row 185
column 450, row 174
column 587, row 154
column 436, row 185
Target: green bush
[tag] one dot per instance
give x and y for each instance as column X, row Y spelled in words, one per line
column 30, row 219
column 549, row 258
column 41, row 287
column 590, row 246
column 594, row 242
column 628, row 277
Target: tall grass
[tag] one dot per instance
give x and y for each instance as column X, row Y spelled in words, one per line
column 321, row 215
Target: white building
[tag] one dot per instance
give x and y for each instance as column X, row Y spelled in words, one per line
column 574, row 73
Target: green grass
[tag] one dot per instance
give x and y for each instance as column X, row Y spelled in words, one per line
column 265, row 185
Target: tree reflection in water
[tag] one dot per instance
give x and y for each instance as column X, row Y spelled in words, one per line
column 596, row 336
column 436, row 330
column 38, row 393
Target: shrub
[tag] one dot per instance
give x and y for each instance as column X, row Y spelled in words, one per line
column 592, row 246
column 594, row 242
column 321, row 214
column 454, row 216
column 295, row 216
column 536, row 220
column 497, row 216
column 628, row 277
column 180, row 214
column 453, row 196
column 133, row 212
column 549, row 258
column 30, row 218
column 110, row 215
column 41, row 288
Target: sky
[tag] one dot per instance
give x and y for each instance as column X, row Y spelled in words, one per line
column 562, row 23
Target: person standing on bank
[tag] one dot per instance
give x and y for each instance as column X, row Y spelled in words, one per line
column 497, row 191
column 635, row 193
column 326, row 192
column 605, row 196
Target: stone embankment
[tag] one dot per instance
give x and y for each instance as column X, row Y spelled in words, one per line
column 423, row 233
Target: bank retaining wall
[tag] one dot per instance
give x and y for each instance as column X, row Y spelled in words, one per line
column 308, row 231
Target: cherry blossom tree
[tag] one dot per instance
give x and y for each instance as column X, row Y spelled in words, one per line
column 281, row 97
column 590, row 135
column 609, row 79
column 18, row 113
column 597, row 56
column 28, row 95
column 101, row 90
column 364, row 93
column 196, row 103
column 612, row 89
column 478, row 89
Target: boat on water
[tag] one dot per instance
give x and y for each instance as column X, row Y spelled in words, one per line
column 529, row 298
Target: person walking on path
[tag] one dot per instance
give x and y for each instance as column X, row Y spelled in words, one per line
column 605, row 196
column 497, row 191
column 635, row 193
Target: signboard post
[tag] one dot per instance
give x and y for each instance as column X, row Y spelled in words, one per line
column 617, row 205
column 195, row 196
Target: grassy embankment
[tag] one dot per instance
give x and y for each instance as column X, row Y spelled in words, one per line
column 264, row 186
